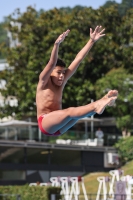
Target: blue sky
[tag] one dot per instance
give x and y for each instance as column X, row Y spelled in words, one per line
column 8, row 6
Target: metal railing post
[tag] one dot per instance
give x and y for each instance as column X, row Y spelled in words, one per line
column 53, row 197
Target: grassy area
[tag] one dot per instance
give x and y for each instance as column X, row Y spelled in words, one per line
column 128, row 168
column 91, row 183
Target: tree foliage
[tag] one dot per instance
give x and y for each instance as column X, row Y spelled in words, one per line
column 121, row 80
column 3, row 38
column 123, row 7
column 109, row 3
column 125, row 149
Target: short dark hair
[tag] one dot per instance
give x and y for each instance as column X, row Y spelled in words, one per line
column 60, row 63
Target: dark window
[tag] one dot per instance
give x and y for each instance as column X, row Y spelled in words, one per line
column 37, row 156
column 12, row 175
column 11, row 155
column 66, row 157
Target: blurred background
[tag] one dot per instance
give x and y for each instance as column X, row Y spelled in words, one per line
column 28, row 30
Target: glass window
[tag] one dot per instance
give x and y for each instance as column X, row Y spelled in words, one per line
column 11, row 155
column 28, row 133
column 12, row 175
column 19, row 133
column 37, row 156
column 3, row 133
column 66, row 157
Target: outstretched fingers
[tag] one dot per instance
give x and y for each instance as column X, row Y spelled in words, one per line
column 97, row 29
column 91, row 31
column 97, row 34
column 66, row 33
column 62, row 37
column 102, row 32
column 102, row 35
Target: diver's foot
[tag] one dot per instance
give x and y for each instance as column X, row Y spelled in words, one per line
column 111, row 93
column 102, row 103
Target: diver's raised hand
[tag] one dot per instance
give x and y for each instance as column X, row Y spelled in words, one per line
column 62, row 37
column 97, row 33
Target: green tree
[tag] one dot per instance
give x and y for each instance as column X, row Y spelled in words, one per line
column 109, row 3
column 3, row 38
column 121, row 80
column 125, row 5
column 125, row 149
column 122, row 7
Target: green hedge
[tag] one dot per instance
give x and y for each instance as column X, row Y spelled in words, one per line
column 30, row 192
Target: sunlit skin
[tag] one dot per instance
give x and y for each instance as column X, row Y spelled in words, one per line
column 57, row 75
column 50, row 87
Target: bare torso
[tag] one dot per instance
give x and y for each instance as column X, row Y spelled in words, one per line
column 48, row 98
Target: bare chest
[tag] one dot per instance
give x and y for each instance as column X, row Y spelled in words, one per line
column 52, row 95
column 49, row 99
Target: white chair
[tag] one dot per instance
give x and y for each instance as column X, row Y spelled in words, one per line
column 92, row 142
column 68, row 141
column 33, row 184
column 80, row 142
column 100, row 142
column 43, row 184
column 61, row 141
